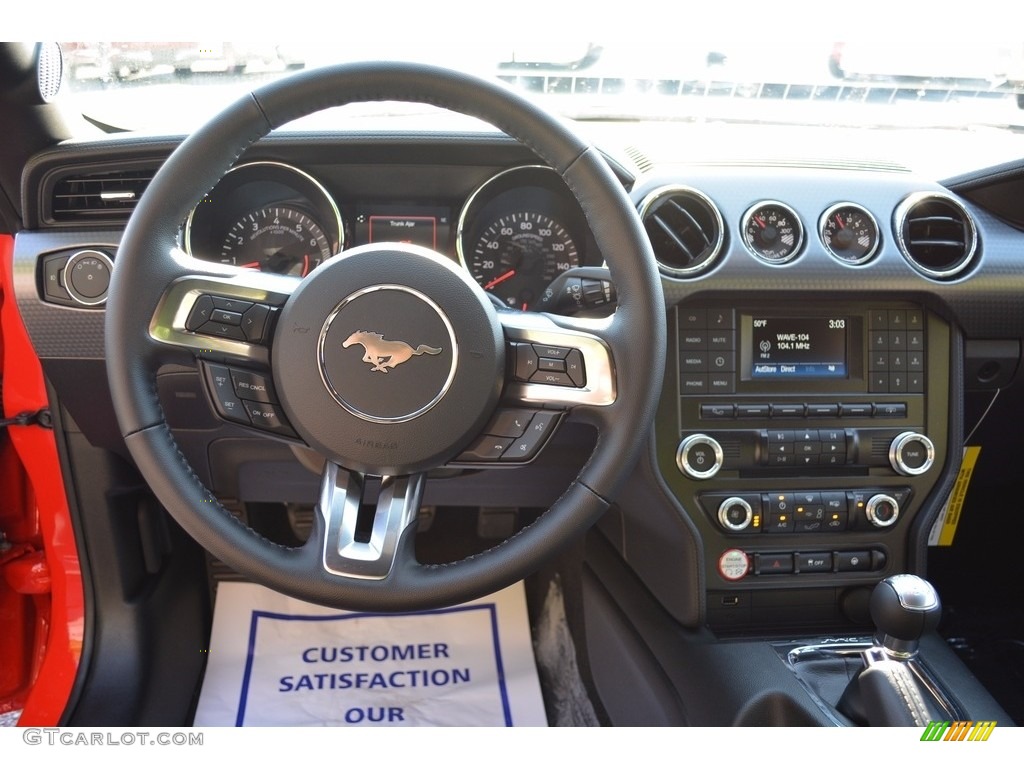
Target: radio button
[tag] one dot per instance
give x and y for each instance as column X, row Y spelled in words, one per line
column 720, row 319
column 879, row 360
column 915, row 381
column 693, row 361
column 694, row 383
column 780, row 436
column 878, row 318
column 817, row 410
column 722, row 361
column 915, row 340
column 753, row 411
column 722, row 340
column 805, row 460
column 722, row 383
column 897, row 319
column 717, row 411
column 915, row 361
column 897, row 340
column 781, row 460
column 693, row 339
column 699, row 456
column 833, row 436
column 807, row 448
column 860, row 410
column 787, row 410
column 879, row 340
column 693, row 318
column 890, row 410
column 898, row 382
column 878, row 382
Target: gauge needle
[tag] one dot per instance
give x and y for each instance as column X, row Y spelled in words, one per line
column 250, row 265
column 500, row 279
column 760, row 222
column 839, row 221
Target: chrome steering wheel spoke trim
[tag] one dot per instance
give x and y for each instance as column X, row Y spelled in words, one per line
column 355, row 554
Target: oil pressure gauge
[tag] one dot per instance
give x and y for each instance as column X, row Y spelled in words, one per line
column 772, row 231
column 849, row 233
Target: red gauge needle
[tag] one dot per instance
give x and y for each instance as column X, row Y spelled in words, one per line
column 250, row 265
column 760, row 222
column 500, row 279
column 839, row 221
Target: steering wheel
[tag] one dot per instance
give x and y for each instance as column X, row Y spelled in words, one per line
column 389, row 360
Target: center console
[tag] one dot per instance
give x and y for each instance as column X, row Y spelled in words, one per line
column 802, row 441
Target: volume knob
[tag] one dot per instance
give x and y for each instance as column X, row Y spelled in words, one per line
column 699, row 456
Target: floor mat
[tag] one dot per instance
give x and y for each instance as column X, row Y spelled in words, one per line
column 275, row 660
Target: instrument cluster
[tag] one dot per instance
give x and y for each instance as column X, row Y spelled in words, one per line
column 515, row 233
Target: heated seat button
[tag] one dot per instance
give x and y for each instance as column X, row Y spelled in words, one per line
column 253, row 386
column 200, row 314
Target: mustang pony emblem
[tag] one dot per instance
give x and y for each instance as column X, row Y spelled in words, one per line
column 383, row 354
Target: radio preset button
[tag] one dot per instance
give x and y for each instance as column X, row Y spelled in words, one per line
column 753, row 411
column 817, row 410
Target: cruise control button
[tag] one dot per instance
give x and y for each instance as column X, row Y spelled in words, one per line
column 200, row 314
column 226, row 402
column 253, row 386
column 266, row 416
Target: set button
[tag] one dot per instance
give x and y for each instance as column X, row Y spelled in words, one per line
column 246, row 397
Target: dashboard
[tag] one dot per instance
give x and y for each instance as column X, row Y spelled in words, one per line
column 825, row 322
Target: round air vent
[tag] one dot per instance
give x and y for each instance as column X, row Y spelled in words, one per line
column 936, row 234
column 685, row 229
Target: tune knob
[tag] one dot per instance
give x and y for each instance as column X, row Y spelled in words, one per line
column 699, row 456
column 882, row 510
column 911, row 453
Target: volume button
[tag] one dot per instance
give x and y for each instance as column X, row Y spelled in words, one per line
column 699, row 456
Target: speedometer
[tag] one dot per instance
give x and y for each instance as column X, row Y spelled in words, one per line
column 518, row 255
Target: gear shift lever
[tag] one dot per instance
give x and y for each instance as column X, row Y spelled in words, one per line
column 904, row 607
column 893, row 689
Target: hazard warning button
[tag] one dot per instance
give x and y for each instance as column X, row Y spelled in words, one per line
column 766, row 563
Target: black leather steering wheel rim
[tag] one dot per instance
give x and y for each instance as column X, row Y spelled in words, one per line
column 149, row 260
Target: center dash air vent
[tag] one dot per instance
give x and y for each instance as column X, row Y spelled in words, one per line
column 94, row 197
column 685, row 229
column 936, row 234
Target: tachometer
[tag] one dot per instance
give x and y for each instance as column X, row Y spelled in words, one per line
column 772, row 232
column 276, row 238
column 519, row 254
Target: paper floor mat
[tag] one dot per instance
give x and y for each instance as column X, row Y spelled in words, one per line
column 275, row 660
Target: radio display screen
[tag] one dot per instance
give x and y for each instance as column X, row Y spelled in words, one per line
column 799, row 347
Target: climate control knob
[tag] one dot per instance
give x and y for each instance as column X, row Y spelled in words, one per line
column 911, row 453
column 735, row 514
column 699, row 456
column 882, row 510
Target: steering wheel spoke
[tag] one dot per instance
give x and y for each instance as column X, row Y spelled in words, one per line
column 358, row 543
column 558, row 362
column 221, row 311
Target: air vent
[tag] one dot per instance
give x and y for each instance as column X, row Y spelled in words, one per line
column 685, row 229
column 936, row 234
column 98, row 196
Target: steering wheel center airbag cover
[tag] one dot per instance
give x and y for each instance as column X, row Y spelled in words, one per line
column 388, row 359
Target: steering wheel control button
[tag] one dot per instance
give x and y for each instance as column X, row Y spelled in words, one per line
column 87, row 277
column 202, row 311
column 231, row 305
column 226, row 317
column 911, row 454
column 545, row 350
column 267, row 416
column 574, row 367
column 526, row 447
column 227, row 404
column 253, row 386
column 735, row 514
column 487, row 449
column 527, row 361
column 699, row 456
column 254, row 322
column 882, row 510
column 734, row 564
column 222, row 331
column 511, row 422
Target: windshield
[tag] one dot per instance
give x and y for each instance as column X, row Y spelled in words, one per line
column 826, row 99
